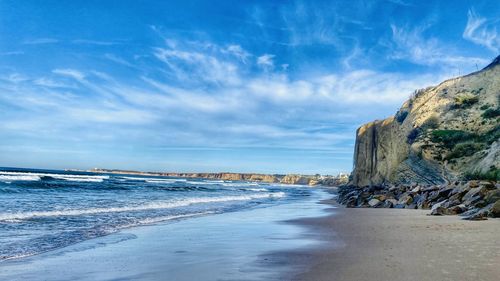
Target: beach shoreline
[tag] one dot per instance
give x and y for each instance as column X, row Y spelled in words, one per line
column 394, row 244
column 225, row 246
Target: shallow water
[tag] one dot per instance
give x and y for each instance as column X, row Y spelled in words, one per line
column 42, row 210
column 225, row 244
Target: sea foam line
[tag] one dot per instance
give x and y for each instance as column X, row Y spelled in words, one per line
column 23, row 176
column 6, row 217
column 153, row 180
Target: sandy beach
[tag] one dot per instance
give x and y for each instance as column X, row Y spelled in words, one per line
column 398, row 244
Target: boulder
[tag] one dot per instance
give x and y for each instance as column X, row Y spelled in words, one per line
column 405, row 199
column 380, row 197
column 433, row 196
column 474, row 195
column 430, row 188
column 416, row 189
column 495, row 210
column 473, row 184
column 411, row 206
column 487, row 184
column 458, row 209
column 438, row 209
column 479, row 214
column 374, row 202
column 492, row 196
column 390, row 203
column 461, row 189
column 445, row 191
column 453, row 201
column 351, row 202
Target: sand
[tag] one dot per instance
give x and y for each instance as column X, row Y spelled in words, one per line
column 397, row 244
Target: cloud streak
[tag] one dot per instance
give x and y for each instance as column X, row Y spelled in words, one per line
column 482, row 31
column 410, row 44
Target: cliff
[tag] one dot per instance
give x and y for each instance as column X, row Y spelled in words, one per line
column 442, row 133
column 276, row 178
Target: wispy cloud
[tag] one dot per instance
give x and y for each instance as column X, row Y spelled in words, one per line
column 117, row 59
column 237, row 51
column 75, row 74
column 12, row 53
column 94, row 42
column 308, row 23
column 482, row 31
column 401, row 2
column 39, row 41
column 410, row 44
column 187, row 64
column 266, row 61
column 51, row 83
column 14, row 77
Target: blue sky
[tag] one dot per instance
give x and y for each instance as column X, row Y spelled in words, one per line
column 257, row 86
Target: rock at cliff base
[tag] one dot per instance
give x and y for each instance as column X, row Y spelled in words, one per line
column 374, row 202
column 495, row 209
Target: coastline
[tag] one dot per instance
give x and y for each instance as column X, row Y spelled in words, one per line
column 227, row 246
column 396, row 244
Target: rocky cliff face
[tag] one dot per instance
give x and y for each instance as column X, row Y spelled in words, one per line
column 440, row 134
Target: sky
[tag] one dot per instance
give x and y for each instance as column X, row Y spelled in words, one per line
column 210, row 86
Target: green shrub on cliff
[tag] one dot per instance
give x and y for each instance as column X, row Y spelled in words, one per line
column 465, row 100
column 431, row 123
column 492, row 174
column 413, row 135
column 401, row 116
column 465, row 149
column 491, row 113
column 490, row 136
column 449, row 138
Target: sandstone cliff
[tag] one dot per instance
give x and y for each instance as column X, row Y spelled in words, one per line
column 440, row 134
column 268, row 178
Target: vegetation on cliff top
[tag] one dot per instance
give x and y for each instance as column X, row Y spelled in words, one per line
column 491, row 113
column 492, row 174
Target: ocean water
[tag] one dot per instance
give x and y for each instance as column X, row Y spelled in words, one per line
column 44, row 210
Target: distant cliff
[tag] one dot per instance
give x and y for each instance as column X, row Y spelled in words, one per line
column 276, row 178
column 440, row 134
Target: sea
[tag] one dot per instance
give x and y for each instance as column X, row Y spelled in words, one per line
column 45, row 210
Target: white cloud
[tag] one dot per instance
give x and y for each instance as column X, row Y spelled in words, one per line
column 266, row 61
column 127, row 116
column 237, row 51
column 481, row 31
column 411, row 45
column 93, row 42
column 15, row 78
column 51, row 83
column 118, row 60
column 192, row 65
column 309, row 24
column 75, row 74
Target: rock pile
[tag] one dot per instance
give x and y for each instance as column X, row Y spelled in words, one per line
column 474, row 200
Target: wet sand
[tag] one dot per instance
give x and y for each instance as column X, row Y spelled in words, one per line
column 396, row 244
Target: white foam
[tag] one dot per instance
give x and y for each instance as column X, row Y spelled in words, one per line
column 154, row 180
column 165, row 218
column 244, row 184
column 8, row 178
column 145, row 207
column 257, row 189
column 164, row 181
column 23, row 176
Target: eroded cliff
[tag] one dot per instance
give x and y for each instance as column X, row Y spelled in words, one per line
column 440, row 134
